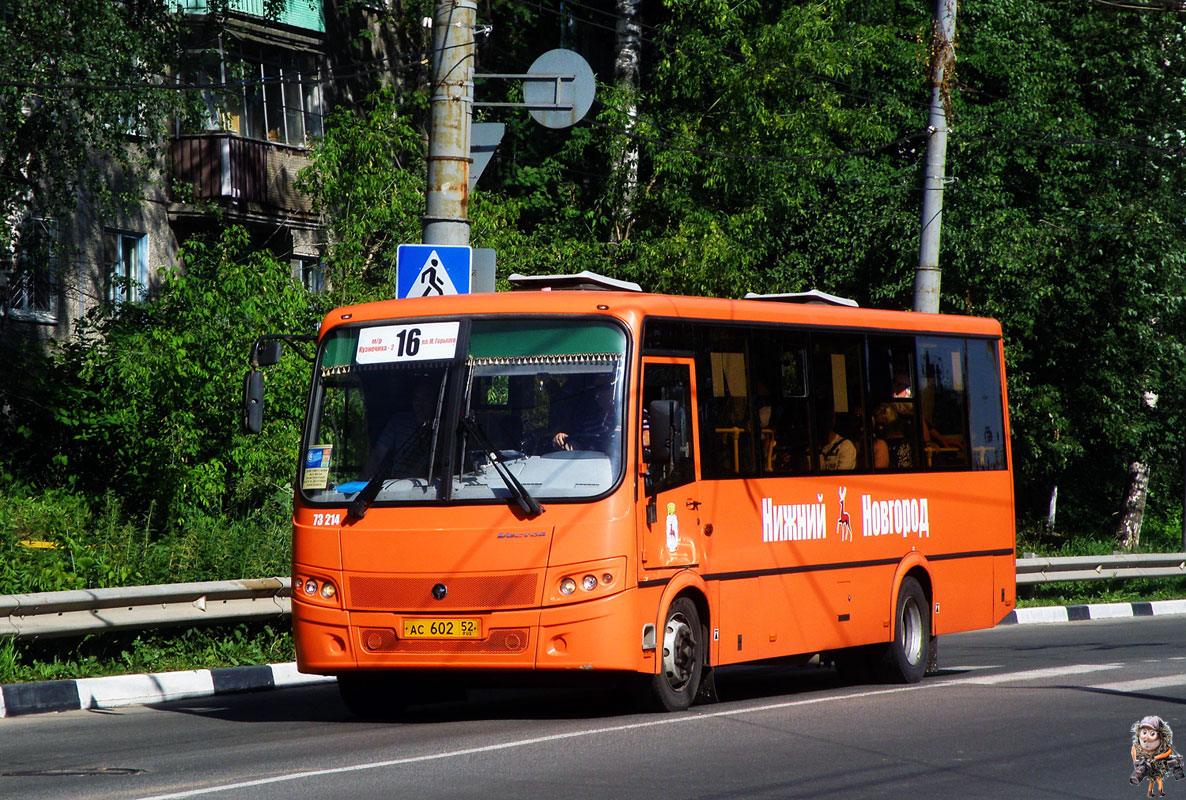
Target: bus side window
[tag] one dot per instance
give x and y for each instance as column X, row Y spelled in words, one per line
column 840, row 440
column 668, row 386
column 727, row 440
column 893, row 410
column 782, row 405
column 987, row 419
column 942, row 401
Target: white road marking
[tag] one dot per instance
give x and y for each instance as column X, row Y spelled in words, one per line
column 1142, row 684
column 1034, row 674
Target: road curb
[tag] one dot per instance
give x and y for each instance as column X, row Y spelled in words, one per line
column 20, row 699
column 41, row 697
column 1038, row 614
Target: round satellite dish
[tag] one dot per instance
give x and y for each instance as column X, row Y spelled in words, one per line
column 562, row 89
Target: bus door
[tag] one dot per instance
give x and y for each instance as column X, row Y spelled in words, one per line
column 672, row 535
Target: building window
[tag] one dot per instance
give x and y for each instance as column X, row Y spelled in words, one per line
column 310, row 271
column 264, row 92
column 126, row 258
column 31, row 291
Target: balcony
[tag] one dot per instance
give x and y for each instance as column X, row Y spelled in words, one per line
column 307, row 14
column 248, row 176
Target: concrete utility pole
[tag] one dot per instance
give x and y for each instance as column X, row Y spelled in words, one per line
column 926, row 277
column 446, row 218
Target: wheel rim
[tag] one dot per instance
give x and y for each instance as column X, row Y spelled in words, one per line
column 911, row 623
column 679, row 652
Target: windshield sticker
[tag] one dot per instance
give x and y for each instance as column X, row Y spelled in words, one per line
column 317, row 466
column 425, row 341
column 902, row 516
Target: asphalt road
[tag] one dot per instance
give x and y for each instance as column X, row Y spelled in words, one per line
column 1034, row 711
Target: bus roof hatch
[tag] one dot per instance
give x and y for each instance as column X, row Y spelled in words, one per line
column 814, row 297
column 581, row 280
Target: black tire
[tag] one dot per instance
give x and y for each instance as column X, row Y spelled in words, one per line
column 373, row 695
column 905, row 658
column 681, row 652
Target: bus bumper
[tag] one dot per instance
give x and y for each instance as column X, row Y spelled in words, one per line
column 603, row 634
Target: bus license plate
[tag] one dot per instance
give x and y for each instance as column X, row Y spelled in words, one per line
column 442, row 629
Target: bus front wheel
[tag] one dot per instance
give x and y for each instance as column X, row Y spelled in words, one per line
column 905, row 658
column 675, row 686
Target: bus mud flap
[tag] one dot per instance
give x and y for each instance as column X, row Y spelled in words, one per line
column 707, row 693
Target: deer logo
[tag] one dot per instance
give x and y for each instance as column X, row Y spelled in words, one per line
column 844, row 523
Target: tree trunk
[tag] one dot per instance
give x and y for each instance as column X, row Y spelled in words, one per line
column 627, row 68
column 1053, row 507
column 1128, row 531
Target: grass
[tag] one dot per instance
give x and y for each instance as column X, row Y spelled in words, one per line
column 59, row 540
column 144, row 652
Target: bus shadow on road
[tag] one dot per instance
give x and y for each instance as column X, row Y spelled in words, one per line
column 586, row 698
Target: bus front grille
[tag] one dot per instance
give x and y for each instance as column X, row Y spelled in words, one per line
column 467, row 592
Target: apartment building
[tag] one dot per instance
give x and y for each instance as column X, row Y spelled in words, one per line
column 264, row 109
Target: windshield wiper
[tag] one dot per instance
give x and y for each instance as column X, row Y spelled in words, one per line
column 529, row 504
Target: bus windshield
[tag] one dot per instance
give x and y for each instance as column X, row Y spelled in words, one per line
column 430, row 412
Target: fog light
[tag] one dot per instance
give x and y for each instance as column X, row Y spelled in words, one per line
column 310, row 586
column 588, row 583
column 568, row 586
column 328, row 591
column 607, row 578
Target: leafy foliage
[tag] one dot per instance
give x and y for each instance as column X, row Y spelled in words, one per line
column 146, row 397
column 81, row 78
column 367, row 183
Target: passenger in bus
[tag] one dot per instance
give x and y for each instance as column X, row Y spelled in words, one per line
column 931, row 437
column 891, row 445
column 592, row 423
column 837, row 454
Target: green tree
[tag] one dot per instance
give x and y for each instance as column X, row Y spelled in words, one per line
column 1065, row 222
column 366, row 181
column 86, row 95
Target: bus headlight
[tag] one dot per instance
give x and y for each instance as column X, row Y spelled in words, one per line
column 593, row 579
column 317, row 589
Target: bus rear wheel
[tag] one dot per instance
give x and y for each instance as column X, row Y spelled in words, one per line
column 675, row 686
column 905, row 659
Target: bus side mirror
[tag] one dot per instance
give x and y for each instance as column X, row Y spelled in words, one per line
column 253, row 400
column 265, row 354
column 664, row 417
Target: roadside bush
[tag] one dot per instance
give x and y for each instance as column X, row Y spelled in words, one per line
column 146, row 397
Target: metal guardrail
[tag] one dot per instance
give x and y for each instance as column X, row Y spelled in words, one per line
column 1032, row 571
column 80, row 612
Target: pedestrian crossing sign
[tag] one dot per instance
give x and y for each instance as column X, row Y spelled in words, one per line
column 428, row 270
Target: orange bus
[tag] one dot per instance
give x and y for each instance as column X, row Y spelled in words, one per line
column 644, row 485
